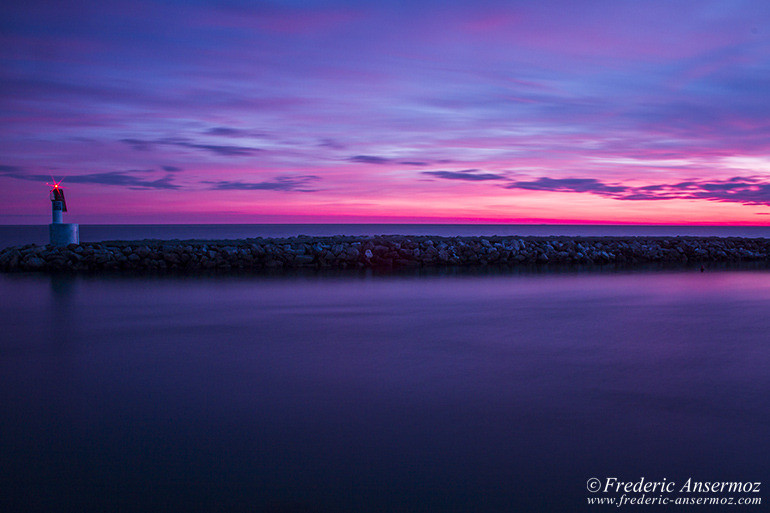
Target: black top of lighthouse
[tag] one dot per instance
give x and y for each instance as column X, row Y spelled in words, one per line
column 57, row 194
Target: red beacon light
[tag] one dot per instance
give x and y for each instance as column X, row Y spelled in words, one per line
column 57, row 195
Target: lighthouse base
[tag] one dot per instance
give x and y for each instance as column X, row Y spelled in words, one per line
column 64, row 233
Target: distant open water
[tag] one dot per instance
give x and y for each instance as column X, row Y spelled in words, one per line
column 37, row 234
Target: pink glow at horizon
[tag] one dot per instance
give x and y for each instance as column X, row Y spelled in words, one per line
column 650, row 112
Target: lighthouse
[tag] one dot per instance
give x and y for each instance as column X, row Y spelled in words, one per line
column 61, row 233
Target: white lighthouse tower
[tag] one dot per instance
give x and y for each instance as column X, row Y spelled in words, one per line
column 61, row 233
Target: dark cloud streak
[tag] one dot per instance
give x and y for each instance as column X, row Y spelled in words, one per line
column 470, row 175
column 280, row 183
column 138, row 144
column 745, row 190
column 217, row 149
column 124, row 179
column 236, row 133
column 224, row 131
column 568, row 185
column 118, row 178
column 369, row 159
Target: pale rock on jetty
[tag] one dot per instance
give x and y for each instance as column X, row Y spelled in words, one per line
column 379, row 252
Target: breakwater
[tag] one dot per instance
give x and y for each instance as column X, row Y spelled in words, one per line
column 385, row 252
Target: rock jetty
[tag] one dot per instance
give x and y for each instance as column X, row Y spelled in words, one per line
column 379, row 252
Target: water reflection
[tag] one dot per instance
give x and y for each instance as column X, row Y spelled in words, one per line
column 367, row 393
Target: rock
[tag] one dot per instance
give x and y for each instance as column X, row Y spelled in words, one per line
column 34, row 263
column 303, row 259
column 381, row 252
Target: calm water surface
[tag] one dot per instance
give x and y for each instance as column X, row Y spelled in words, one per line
column 377, row 393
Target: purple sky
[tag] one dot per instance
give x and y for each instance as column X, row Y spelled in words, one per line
column 234, row 111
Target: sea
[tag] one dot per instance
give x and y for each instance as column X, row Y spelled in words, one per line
column 457, row 391
column 13, row 235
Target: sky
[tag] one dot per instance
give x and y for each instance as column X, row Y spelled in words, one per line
column 451, row 111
